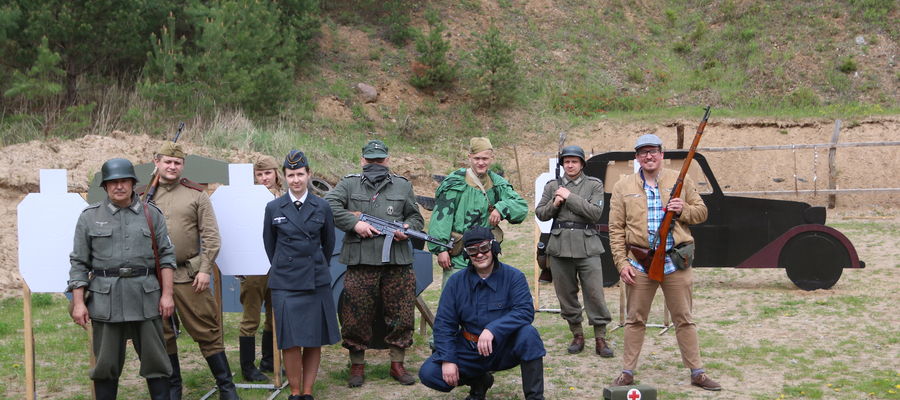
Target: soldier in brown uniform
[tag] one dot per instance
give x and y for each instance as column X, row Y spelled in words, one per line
column 195, row 233
column 575, row 203
column 254, row 291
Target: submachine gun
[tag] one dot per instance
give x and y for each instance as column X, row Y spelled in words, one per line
column 387, row 228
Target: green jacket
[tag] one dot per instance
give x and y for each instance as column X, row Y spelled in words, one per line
column 392, row 199
column 109, row 237
column 459, row 206
column 584, row 206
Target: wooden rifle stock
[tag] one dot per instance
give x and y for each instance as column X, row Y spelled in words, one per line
column 657, row 265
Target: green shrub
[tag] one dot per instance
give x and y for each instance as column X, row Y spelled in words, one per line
column 433, row 70
column 42, row 80
column 803, row 98
column 397, row 20
column 496, row 74
column 847, row 65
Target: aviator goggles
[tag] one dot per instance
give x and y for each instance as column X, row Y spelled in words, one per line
column 479, row 248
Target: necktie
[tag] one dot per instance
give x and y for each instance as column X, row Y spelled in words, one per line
column 298, row 203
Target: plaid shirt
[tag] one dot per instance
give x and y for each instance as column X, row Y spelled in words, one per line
column 655, row 216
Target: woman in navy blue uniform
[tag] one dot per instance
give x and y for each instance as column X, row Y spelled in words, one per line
column 298, row 232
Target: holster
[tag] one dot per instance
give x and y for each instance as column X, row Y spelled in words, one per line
column 641, row 255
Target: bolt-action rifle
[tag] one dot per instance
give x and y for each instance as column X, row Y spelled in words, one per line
column 657, row 265
column 148, row 197
column 387, row 228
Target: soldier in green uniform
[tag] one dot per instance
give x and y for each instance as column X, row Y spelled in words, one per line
column 113, row 258
column 379, row 193
column 575, row 203
column 195, row 233
column 255, row 291
column 470, row 197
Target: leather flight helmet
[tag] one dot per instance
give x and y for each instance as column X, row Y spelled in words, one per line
column 117, row 168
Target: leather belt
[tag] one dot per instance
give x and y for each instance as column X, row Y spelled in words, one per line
column 124, row 272
column 470, row 336
column 572, row 225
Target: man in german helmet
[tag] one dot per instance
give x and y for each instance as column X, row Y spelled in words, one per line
column 113, row 261
column 575, row 203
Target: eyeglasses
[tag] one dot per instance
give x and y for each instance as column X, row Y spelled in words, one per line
column 649, row 152
column 480, row 248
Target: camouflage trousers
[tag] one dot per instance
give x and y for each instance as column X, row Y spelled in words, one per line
column 394, row 286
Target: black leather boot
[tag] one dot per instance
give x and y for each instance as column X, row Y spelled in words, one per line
column 248, row 357
column 175, row 378
column 218, row 365
column 479, row 386
column 533, row 379
column 159, row 388
column 266, row 364
column 106, row 389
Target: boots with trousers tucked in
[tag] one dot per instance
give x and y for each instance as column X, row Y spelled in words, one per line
column 248, row 359
column 106, row 389
column 159, row 388
column 533, row 379
column 175, row 378
column 218, row 365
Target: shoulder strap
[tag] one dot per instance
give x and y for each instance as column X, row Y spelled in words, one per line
column 146, row 207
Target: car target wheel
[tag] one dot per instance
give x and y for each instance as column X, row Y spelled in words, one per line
column 814, row 260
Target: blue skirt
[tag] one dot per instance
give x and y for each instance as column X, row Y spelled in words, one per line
column 306, row 318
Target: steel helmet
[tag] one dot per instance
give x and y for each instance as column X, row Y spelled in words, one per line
column 117, row 168
column 571, row 151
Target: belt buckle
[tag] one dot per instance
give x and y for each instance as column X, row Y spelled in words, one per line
column 125, row 272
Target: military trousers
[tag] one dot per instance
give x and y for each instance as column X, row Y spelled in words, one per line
column 364, row 286
column 199, row 316
column 567, row 273
column 677, row 291
column 525, row 344
column 255, row 291
column 109, row 348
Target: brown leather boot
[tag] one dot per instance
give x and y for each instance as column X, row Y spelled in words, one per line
column 705, row 382
column 400, row 375
column 624, row 379
column 357, row 375
column 577, row 344
column 603, row 349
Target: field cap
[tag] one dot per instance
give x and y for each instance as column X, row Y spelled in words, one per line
column 295, row 160
column 375, row 149
column 648, row 140
column 171, row 149
column 479, row 144
column 265, row 162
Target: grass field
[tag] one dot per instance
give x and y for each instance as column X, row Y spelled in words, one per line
column 761, row 337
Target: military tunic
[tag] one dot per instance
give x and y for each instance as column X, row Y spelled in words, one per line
column 109, row 238
column 459, row 206
column 195, row 233
column 500, row 303
column 368, row 279
column 574, row 250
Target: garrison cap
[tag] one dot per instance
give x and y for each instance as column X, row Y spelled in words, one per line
column 171, row 149
column 295, row 159
column 479, row 144
column 375, row 149
column 648, row 140
column 264, row 163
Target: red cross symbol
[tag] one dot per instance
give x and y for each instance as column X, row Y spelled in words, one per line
column 634, row 394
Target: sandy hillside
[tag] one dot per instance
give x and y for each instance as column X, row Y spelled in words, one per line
column 863, row 167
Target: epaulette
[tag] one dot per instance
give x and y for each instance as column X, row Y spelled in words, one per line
column 351, row 176
column 92, row 205
column 593, row 178
column 191, row 184
column 400, row 176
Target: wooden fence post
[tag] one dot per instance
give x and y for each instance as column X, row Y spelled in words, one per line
column 832, row 168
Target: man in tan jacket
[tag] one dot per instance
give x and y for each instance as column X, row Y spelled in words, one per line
column 637, row 207
column 195, row 233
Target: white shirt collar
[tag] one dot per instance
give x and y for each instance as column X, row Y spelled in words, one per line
column 302, row 198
